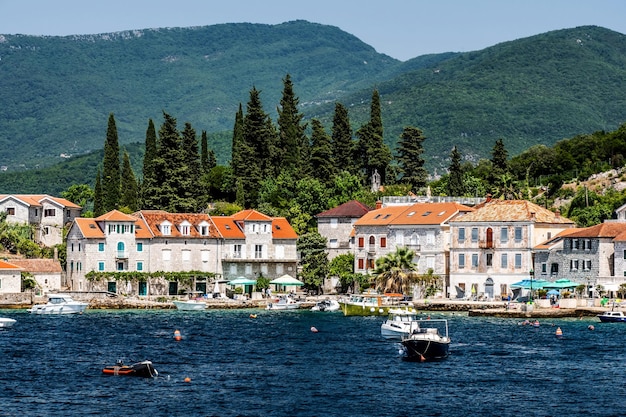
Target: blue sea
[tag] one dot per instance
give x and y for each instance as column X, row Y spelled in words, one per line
column 274, row 365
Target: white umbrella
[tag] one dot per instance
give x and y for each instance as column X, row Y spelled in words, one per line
column 286, row 280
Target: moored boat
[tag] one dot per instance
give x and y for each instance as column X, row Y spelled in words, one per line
column 370, row 304
column 427, row 340
column 59, row 304
column 326, row 305
column 143, row 369
column 398, row 323
column 6, row 322
column 190, row 305
column 612, row 317
column 283, row 303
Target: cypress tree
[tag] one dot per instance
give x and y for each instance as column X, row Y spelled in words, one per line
column 376, row 119
column 98, row 208
column 190, row 170
column 342, row 144
column 455, row 186
column 130, row 190
column 150, row 186
column 321, row 153
column 204, row 153
column 292, row 141
column 111, row 169
column 236, row 161
column 255, row 151
column 410, row 160
column 499, row 166
column 372, row 154
column 169, row 167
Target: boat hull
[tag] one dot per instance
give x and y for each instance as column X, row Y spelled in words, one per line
column 425, row 349
column 393, row 333
column 605, row 319
column 350, row 309
column 143, row 369
column 6, row 322
column 190, row 305
column 73, row 308
column 278, row 306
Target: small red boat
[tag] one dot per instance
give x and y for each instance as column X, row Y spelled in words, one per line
column 143, row 369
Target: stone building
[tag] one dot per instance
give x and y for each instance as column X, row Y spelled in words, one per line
column 337, row 224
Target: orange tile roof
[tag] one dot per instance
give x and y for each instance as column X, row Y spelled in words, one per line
column 116, row 216
column 154, row 218
column 548, row 243
column 281, row 229
column 35, row 199
column 7, row 266
column 417, row 214
column 514, row 211
column 89, row 228
column 251, row 215
column 39, row 265
column 227, row 227
column 606, row 229
column 92, row 228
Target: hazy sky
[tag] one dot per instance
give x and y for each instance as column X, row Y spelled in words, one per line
column 402, row 29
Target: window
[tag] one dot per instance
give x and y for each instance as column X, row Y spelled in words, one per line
column 383, row 242
column 575, row 244
column 236, row 251
column 101, row 247
column 430, row 262
column 334, row 243
column 489, row 259
column 186, row 255
column 544, row 268
column 624, row 253
column 101, row 266
column 586, row 265
column 139, row 266
column 362, row 244
column 166, row 228
column 258, row 251
column 461, row 260
column 279, row 269
column 120, row 266
column 573, row 264
column 185, row 229
column 474, row 234
column 361, row 263
column 11, row 211
column 461, row 234
column 204, row 256
column 166, row 255
column 333, row 223
column 49, row 213
column 587, row 244
column 46, row 230
column 504, row 235
column 474, row 260
column 372, row 241
column 504, row 261
column 518, row 234
column 233, row 269
column 204, row 230
column 430, row 238
column 518, row 260
column 139, row 247
column 264, row 269
column 279, row 251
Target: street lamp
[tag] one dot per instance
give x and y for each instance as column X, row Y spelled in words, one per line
column 532, row 274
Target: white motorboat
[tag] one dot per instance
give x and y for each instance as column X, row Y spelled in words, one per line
column 6, row 322
column 190, row 305
column 59, row 304
column 283, row 303
column 326, row 305
column 398, row 323
column 427, row 340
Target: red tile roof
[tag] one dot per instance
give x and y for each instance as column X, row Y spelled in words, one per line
column 7, row 266
column 281, row 229
column 351, row 209
column 607, row 229
column 35, row 199
column 154, row 219
column 565, row 233
column 39, row 265
column 514, row 211
column 418, row 214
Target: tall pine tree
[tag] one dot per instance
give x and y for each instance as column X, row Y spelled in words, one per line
column 130, row 191
column 111, row 169
column 455, row 187
column 190, row 171
column 150, row 187
column 292, row 142
column 321, row 154
column 98, row 207
column 169, row 167
column 342, row 144
column 410, row 160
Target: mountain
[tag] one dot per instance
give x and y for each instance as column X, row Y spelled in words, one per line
column 57, row 92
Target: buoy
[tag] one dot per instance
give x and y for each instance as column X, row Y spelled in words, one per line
column 422, row 358
column 559, row 333
column 177, row 335
column 314, row 329
column 253, row 316
column 591, row 327
column 536, row 323
column 187, row 379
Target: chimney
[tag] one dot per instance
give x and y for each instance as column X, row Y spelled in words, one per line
column 379, row 204
column 533, row 215
column 557, row 214
column 488, row 198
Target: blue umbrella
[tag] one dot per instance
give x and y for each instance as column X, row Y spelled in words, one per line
column 553, row 292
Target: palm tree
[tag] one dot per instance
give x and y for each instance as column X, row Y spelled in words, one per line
column 396, row 272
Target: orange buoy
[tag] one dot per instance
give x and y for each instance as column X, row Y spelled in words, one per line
column 253, row 316
column 422, row 358
column 559, row 333
column 177, row 335
column 314, row 329
column 187, row 379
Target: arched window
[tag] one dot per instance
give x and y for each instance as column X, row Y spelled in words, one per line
column 372, row 240
column 120, row 246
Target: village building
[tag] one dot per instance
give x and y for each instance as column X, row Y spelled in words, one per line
column 248, row 244
column 10, row 278
column 422, row 227
column 493, row 246
column 337, row 224
column 46, row 214
column 46, row 272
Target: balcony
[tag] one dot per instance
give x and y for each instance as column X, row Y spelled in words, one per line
column 120, row 254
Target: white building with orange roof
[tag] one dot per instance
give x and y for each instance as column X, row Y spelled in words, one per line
column 492, row 247
column 10, row 278
column 153, row 241
column 47, row 214
column 421, row 227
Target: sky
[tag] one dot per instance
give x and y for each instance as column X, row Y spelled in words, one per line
column 402, row 29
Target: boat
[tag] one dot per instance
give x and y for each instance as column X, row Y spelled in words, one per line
column 612, row 317
column 59, row 304
column 143, row 369
column 283, row 303
column 6, row 322
column 370, row 304
column 190, row 305
column 398, row 323
column 326, row 305
column 427, row 340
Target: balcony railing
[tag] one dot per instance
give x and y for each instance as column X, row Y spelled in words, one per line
column 121, row 254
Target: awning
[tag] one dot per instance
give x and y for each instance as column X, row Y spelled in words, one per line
column 286, row 280
column 242, row 281
column 561, row 283
column 527, row 284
